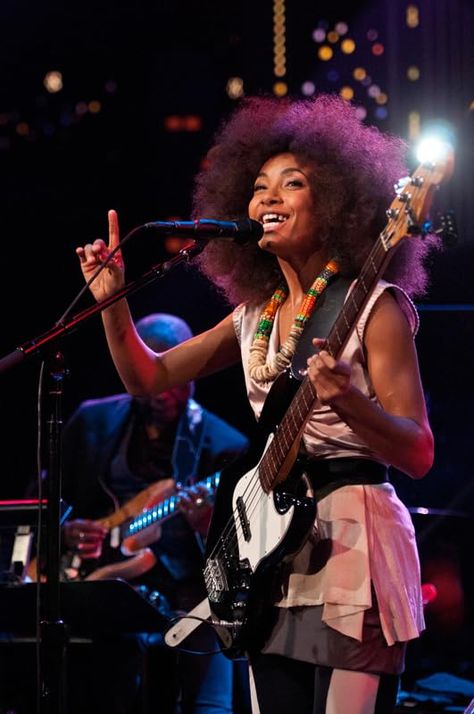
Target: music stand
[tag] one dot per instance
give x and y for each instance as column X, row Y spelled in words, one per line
column 90, row 608
column 108, row 614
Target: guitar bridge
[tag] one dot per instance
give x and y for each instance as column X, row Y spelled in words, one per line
column 215, row 580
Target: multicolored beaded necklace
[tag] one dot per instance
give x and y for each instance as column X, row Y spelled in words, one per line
column 259, row 369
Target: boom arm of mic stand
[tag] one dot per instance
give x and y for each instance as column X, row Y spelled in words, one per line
column 34, row 346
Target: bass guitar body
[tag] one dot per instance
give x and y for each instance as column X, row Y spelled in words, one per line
column 254, row 531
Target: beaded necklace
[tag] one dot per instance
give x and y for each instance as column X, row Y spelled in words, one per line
column 261, row 371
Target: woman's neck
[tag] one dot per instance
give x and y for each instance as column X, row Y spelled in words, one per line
column 300, row 277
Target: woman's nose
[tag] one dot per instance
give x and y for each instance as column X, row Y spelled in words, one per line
column 270, row 198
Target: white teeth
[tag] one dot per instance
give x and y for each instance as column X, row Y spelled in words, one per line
column 273, row 217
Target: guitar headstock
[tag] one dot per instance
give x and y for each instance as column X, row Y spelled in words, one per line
column 414, row 198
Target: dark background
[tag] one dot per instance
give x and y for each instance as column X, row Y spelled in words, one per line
column 62, row 166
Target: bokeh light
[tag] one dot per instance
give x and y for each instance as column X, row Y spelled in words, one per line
column 348, row 46
column 325, row 53
column 53, row 81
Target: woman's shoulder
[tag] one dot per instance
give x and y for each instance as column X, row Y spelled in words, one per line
column 402, row 299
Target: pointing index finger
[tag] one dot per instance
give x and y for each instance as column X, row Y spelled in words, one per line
column 114, row 234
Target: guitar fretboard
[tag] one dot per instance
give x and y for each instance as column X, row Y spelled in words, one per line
column 167, row 508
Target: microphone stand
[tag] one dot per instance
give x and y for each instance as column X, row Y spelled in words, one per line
column 53, row 630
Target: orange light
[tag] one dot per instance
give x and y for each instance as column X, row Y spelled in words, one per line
column 325, row 53
column 346, row 93
column 348, row 46
column 280, row 89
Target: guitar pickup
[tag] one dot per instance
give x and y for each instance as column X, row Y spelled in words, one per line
column 244, row 521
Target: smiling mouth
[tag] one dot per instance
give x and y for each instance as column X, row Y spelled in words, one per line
column 271, row 221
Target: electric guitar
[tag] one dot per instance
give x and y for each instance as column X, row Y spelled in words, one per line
column 148, row 510
column 145, row 528
column 262, row 515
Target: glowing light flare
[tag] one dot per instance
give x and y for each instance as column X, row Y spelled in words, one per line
column 279, row 38
column 342, row 28
column 94, row 106
column 372, row 35
column 359, row 74
column 381, row 113
column 374, row 90
column 319, row 35
column 413, row 73
column 175, row 122
column 361, row 112
column 280, row 89
column 432, row 148
column 235, row 87
column 414, row 125
column 53, row 81
column 378, row 49
column 332, row 36
column 308, row 88
column 412, row 16
column 325, row 53
column 346, row 93
column 348, row 46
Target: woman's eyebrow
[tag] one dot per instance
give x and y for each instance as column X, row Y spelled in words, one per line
column 288, row 170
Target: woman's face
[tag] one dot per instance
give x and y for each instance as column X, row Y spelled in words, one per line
column 283, row 202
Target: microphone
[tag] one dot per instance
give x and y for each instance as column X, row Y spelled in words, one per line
column 242, row 231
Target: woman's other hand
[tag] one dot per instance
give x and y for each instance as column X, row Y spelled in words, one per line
column 93, row 255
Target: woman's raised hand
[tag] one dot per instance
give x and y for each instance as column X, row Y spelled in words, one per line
column 92, row 255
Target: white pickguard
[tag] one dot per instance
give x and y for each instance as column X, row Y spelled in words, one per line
column 267, row 527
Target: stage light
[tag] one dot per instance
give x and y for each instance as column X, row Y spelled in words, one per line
column 413, row 73
column 347, row 93
column 436, row 142
column 431, row 149
column 348, row 46
column 359, row 74
column 319, row 35
column 308, row 88
column 341, row 28
column 280, row 89
column 235, row 87
column 325, row 53
column 412, row 16
column 53, row 81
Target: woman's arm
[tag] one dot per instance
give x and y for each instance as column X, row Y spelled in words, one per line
column 398, row 430
column 143, row 371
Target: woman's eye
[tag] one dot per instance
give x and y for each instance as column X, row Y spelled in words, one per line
column 258, row 187
column 295, row 182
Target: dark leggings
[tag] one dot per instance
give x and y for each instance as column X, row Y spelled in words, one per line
column 286, row 686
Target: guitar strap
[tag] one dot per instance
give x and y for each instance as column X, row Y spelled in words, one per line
column 319, row 324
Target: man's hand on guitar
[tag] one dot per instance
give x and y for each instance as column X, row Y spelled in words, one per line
column 196, row 506
column 85, row 537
